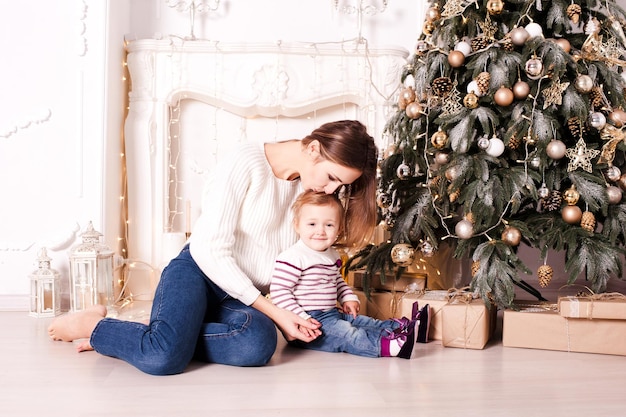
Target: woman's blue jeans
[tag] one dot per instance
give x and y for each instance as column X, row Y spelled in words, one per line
column 344, row 333
column 191, row 318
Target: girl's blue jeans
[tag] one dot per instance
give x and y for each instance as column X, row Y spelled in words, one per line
column 360, row 335
column 191, row 318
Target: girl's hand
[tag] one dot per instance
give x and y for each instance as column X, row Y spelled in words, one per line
column 351, row 307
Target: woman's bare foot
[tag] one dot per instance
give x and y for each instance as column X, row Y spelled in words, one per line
column 78, row 325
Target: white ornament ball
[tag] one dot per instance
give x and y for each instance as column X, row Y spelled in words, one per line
column 534, row 29
column 495, row 148
column 556, row 149
column 463, row 47
column 472, row 87
column 464, row 229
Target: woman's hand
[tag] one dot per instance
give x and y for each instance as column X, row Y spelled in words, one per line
column 290, row 324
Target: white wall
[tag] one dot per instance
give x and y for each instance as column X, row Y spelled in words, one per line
column 64, row 102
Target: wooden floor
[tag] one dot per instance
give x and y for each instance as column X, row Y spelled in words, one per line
column 39, row 377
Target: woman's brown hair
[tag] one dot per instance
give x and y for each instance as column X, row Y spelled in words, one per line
column 347, row 143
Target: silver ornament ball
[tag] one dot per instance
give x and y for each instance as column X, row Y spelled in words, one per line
column 483, row 142
column 613, row 173
column 597, row 120
column 464, row 229
column 583, row 83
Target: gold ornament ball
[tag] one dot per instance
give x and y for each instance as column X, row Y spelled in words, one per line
column 618, row 117
column 403, row 254
column 470, row 101
column 521, row 89
column 464, row 229
column 433, row 14
column 511, row 236
column 571, row 214
column 495, row 7
column 428, row 27
column 504, row 96
column 564, row 44
column 439, row 139
column 456, row 59
column 408, row 94
column 583, row 83
column 556, row 149
column 413, row 110
column 614, row 193
column 571, row 196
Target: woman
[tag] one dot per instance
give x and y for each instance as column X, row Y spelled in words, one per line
column 209, row 304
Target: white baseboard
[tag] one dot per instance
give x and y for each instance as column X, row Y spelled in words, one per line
column 19, row 302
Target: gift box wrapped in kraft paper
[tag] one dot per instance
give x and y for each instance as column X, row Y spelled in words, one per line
column 467, row 323
column 610, row 306
column 542, row 327
column 436, row 299
column 379, row 306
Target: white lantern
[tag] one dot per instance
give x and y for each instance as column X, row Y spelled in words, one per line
column 45, row 296
column 91, row 272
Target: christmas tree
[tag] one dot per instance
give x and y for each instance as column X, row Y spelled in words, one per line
column 509, row 129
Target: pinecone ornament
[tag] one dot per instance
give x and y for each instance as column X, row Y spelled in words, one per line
column 596, row 97
column 507, row 44
column 482, row 80
column 576, row 126
column 588, row 221
column 479, row 43
column 475, row 267
column 545, row 274
column 514, row 142
column 442, row 86
column 573, row 12
column 553, row 201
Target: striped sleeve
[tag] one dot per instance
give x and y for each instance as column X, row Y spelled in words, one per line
column 285, row 278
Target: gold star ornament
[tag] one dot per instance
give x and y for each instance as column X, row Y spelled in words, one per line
column 554, row 94
column 580, row 157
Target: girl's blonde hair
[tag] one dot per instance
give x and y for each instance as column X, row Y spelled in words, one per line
column 347, row 143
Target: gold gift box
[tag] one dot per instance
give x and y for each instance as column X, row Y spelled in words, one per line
column 540, row 328
column 610, row 306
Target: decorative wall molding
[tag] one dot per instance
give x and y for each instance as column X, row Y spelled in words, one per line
column 251, row 80
column 35, row 118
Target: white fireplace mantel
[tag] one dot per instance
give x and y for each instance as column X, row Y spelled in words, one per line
column 251, row 80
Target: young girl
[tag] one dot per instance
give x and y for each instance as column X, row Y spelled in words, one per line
column 307, row 281
column 209, row 303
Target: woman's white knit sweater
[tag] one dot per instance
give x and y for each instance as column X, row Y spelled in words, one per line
column 245, row 223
